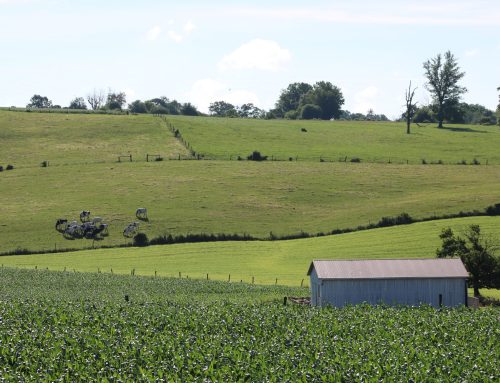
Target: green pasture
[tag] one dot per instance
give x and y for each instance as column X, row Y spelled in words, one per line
column 265, row 261
column 230, row 197
column 27, row 139
column 225, row 138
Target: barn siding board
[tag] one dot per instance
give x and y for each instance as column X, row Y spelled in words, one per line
column 391, row 291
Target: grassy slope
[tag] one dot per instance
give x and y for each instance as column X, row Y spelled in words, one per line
column 27, row 139
column 371, row 141
column 286, row 260
column 231, row 196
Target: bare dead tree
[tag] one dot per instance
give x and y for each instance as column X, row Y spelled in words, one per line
column 96, row 99
column 410, row 107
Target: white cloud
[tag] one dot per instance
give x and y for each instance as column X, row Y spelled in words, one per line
column 206, row 91
column 365, row 99
column 189, row 27
column 257, row 54
column 153, row 33
column 174, row 36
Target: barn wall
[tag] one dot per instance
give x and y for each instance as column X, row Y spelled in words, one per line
column 394, row 291
column 315, row 282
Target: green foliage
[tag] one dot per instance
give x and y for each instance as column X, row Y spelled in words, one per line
column 310, row 111
column 141, row 240
column 477, row 254
column 291, row 115
column 115, row 101
column 327, row 97
column 184, row 330
column 291, row 97
column 78, row 103
column 222, row 109
column 256, row 156
column 188, row 109
column 442, row 82
column 249, row 110
column 138, row 107
column 40, row 102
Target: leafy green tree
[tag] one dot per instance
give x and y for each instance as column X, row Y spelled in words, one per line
column 443, row 76
column 291, row 115
column 40, row 102
column 327, row 96
column 188, row 109
column 291, row 97
column 476, row 253
column 116, row 101
column 78, row 103
column 249, row 110
column 138, row 107
column 310, row 111
column 222, row 109
column 424, row 114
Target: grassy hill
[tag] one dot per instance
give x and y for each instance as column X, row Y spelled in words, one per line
column 224, row 138
column 27, row 139
column 230, row 197
column 287, row 261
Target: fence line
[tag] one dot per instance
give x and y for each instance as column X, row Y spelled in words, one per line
column 203, row 276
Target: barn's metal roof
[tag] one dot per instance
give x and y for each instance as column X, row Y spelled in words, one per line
column 389, row 268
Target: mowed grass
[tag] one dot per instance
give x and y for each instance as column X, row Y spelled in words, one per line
column 225, row 138
column 27, row 139
column 265, row 261
column 230, row 197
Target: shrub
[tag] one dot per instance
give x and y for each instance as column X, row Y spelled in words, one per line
column 475, row 161
column 355, row 159
column 256, row 156
column 424, row 162
column 159, row 158
column 493, row 209
column 310, row 111
column 9, row 167
column 44, row 164
column 1, row 168
column 291, row 115
column 402, row 219
column 463, row 162
column 141, row 240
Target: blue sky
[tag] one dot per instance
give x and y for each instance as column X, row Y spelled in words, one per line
column 244, row 51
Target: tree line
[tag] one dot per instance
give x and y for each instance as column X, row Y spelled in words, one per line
column 116, row 101
column 322, row 100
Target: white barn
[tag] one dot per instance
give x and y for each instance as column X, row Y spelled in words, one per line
column 433, row 281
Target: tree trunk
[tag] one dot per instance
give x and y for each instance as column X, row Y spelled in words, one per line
column 475, row 285
column 407, row 126
column 440, row 115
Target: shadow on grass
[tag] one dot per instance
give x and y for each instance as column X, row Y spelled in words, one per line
column 464, row 130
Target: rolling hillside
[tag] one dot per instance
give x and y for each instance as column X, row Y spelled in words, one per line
column 287, row 261
column 221, row 196
column 382, row 142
